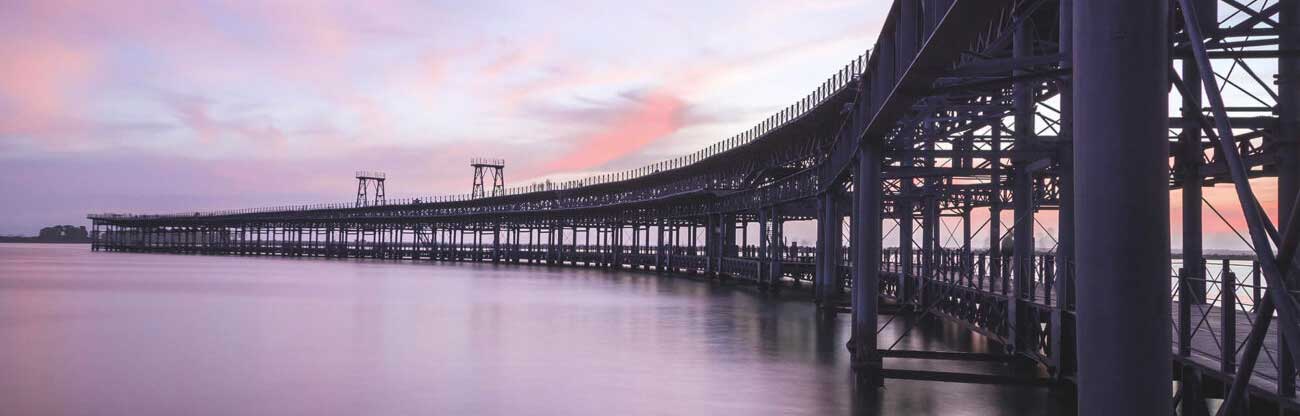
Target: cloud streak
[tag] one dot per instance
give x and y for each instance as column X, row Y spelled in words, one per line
column 646, row 118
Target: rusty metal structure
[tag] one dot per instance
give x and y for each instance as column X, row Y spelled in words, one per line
column 937, row 167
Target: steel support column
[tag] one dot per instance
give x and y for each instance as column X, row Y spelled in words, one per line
column 1022, row 191
column 903, row 209
column 1063, row 328
column 967, row 262
column 660, row 246
column 728, row 247
column 762, row 255
column 496, row 242
column 1288, row 137
column 828, row 243
column 929, row 243
column 712, row 243
column 776, row 245
column 995, row 211
column 1121, row 60
column 866, row 269
column 1191, row 277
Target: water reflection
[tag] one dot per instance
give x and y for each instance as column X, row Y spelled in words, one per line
column 113, row 333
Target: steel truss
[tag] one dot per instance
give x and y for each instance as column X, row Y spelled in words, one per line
column 928, row 165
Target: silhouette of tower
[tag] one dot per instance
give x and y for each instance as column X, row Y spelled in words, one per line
column 498, row 167
column 363, row 184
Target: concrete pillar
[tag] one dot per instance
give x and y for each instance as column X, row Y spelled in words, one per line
column 1121, row 61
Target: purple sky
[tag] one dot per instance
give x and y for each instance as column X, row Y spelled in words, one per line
column 166, row 106
column 139, row 106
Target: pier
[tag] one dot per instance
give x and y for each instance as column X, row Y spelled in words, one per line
column 929, row 165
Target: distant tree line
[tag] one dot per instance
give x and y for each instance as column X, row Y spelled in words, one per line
column 54, row 234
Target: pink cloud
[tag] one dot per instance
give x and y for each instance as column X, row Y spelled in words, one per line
column 653, row 116
column 707, row 72
column 567, row 79
column 516, row 58
column 195, row 114
column 39, row 79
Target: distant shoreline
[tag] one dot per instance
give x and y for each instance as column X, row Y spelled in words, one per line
column 57, row 234
column 40, row 240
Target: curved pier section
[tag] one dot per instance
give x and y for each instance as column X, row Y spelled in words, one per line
column 1004, row 165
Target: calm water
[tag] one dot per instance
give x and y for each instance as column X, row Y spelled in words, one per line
column 150, row 334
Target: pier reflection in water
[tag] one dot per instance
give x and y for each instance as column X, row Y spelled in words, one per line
column 139, row 334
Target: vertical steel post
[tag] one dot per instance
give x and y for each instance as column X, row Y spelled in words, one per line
column 1228, row 319
column 1121, row 60
column 866, row 269
column 743, row 243
column 995, row 210
column 1022, row 191
column 903, row 208
column 836, row 247
column 660, row 246
column 1063, row 341
column 550, row 243
column 690, row 237
column 1288, row 179
column 929, row 241
column 777, row 245
column 825, row 241
column 820, row 260
column 716, row 250
column 496, row 242
column 1191, row 278
column 616, row 239
column 481, row 232
column 728, row 230
column 763, row 237
column 966, row 263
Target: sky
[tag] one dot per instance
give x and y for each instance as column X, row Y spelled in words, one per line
column 142, row 106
